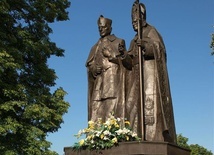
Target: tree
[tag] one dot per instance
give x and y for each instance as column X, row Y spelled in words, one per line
column 199, row 150
column 28, row 108
column 182, row 141
column 195, row 148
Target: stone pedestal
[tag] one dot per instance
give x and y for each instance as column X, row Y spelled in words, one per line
column 135, row 148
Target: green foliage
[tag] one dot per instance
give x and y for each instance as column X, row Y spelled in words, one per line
column 28, row 109
column 199, row 150
column 182, row 141
column 195, row 148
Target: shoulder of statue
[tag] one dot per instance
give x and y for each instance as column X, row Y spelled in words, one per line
column 148, row 27
column 94, row 46
column 152, row 28
column 92, row 51
column 98, row 42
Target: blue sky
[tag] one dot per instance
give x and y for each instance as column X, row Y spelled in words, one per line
column 186, row 27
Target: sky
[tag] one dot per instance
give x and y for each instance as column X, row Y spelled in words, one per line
column 186, row 27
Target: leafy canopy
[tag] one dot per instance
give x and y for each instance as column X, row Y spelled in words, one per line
column 196, row 149
column 28, row 108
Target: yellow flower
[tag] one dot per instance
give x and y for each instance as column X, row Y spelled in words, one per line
column 91, row 125
column 89, row 137
column 127, row 138
column 114, row 140
column 99, row 121
column 87, row 130
column 81, row 142
column 116, row 125
column 102, row 136
column 127, row 122
column 112, row 121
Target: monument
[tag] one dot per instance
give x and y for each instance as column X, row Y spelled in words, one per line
column 106, row 75
column 134, row 85
column 148, row 98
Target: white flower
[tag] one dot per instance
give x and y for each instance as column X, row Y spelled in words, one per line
column 118, row 119
column 80, row 132
column 112, row 117
column 108, row 122
column 134, row 134
column 119, row 132
column 106, row 132
column 125, row 131
column 97, row 133
column 106, row 138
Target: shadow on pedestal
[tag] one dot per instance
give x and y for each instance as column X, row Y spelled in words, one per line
column 135, row 148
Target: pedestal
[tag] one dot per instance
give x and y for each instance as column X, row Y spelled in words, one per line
column 135, row 148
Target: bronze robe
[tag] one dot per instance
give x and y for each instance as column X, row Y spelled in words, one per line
column 106, row 91
column 158, row 112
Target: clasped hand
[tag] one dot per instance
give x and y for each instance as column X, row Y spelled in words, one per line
column 141, row 42
column 121, row 49
column 98, row 70
column 106, row 53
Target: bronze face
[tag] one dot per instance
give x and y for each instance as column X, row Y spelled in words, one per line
column 104, row 29
column 136, row 16
column 135, row 22
column 104, row 25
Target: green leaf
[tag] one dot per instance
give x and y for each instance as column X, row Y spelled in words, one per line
column 28, row 108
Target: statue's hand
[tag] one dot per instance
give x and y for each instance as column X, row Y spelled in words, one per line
column 98, row 70
column 140, row 42
column 106, row 53
column 121, row 49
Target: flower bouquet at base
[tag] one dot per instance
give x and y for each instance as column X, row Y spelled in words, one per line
column 100, row 136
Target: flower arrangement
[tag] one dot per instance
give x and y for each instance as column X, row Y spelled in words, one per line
column 105, row 135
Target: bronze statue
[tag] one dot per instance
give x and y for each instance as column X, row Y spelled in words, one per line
column 140, row 93
column 106, row 85
column 148, row 104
